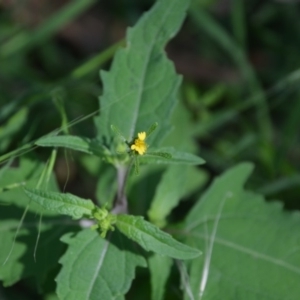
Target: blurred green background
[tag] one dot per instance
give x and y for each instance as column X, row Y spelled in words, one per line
column 239, row 101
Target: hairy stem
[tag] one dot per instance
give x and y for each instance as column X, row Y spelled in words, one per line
column 121, row 201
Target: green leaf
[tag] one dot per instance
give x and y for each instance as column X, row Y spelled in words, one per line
column 177, row 182
column 160, row 268
column 252, row 248
column 94, row 268
column 72, row 142
column 141, row 87
column 66, row 204
column 153, row 239
column 175, row 157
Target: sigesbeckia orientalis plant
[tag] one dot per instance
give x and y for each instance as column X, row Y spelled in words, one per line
column 132, row 101
column 99, row 244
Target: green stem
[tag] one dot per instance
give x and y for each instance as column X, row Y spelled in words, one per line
column 121, row 202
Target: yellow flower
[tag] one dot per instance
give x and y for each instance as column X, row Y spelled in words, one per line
column 139, row 144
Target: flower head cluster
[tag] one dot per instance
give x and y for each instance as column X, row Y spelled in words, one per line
column 104, row 221
column 139, row 144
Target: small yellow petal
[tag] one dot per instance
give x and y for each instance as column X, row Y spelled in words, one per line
column 142, row 135
column 139, row 144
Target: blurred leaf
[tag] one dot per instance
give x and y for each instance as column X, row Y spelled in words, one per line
column 107, row 186
column 14, row 125
column 141, row 87
column 153, row 239
column 66, row 204
column 94, row 268
column 160, row 268
column 213, row 96
column 251, row 246
column 177, row 182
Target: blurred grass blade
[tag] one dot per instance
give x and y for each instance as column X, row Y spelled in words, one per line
column 25, row 40
column 12, row 127
column 238, row 22
column 280, row 185
column 94, row 63
column 20, row 151
column 205, row 22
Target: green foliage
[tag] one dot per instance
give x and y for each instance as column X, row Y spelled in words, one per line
column 65, row 204
column 235, row 263
column 142, row 83
column 76, row 227
column 82, row 144
column 169, row 155
column 153, row 239
column 94, row 268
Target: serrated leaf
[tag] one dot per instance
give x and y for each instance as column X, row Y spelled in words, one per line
column 160, row 268
column 65, row 204
column 94, row 268
column 177, row 182
column 77, row 143
column 151, row 238
column 141, row 87
column 254, row 253
column 175, row 157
